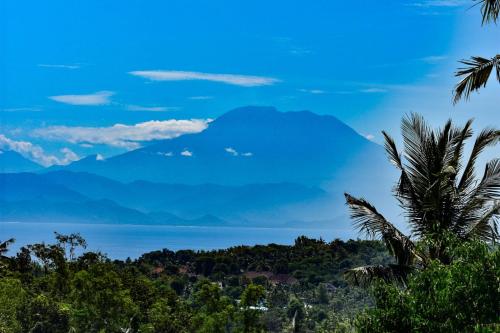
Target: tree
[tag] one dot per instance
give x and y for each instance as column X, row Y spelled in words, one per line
column 296, row 313
column 251, row 298
column 477, row 70
column 439, row 193
column 323, row 294
column 73, row 241
column 41, row 314
column 4, row 248
column 12, row 295
column 459, row 297
column 99, row 301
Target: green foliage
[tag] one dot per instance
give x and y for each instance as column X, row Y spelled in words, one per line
column 441, row 298
column 12, row 295
column 42, row 314
column 99, row 302
column 53, row 288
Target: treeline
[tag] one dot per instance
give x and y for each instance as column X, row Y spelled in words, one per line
column 61, row 287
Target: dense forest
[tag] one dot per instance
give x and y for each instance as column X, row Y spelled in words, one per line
column 48, row 288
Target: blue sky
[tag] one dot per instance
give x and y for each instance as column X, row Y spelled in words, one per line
column 102, row 77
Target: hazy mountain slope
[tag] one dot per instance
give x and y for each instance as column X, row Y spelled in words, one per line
column 187, row 201
column 11, row 161
column 182, row 201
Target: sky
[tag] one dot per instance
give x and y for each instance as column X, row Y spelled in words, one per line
column 103, row 77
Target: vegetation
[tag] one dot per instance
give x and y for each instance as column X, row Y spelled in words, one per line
column 275, row 288
column 460, row 297
column 439, row 193
column 478, row 69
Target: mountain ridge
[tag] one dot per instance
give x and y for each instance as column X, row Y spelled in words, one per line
column 244, row 146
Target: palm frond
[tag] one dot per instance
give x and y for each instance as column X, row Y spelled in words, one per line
column 365, row 275
column 404, row 188
column 488, row 137
column 490, row 10
column 475, row 75
column 477, row 214
column 4, row 247
column 367, row 219
column 486, row 228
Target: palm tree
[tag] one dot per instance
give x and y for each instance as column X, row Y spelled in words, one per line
column 4, row 248
column 478, row 70
column 439, row 194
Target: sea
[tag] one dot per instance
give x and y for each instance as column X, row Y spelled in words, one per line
column 130, row 241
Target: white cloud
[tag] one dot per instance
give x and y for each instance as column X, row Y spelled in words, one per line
column 201, row 97
column 231, row 151
column 433, row 59
column 234, row 152
column 99, row 157
column 149, row 108
column 370, row 137
column 68, row 156
column 313, row 91
column 166, row 154
column 120, row 135
column 187, row 153
column 238, row 80
column 439, row 3
column 300, row 51
column 98, row 98
column 23, row 109
column 59, row 66
column 36, row 153
column 373, row 90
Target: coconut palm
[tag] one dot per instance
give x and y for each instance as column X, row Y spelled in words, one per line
column 478, row 70
column 4, row 248
column 439, row 193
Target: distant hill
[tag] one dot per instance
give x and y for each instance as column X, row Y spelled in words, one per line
column 145, row 202
column 246, row 146
column 11, row 161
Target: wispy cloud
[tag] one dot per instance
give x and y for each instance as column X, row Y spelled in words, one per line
column 231, row 151
column 313, row 91
column 36, row 153
column 22, row 109
column 374, row 90
column 149, row 108
column 59, row 66
column 123, row 136
column 439, row 3
column 165, row 154
column 234, row 152
column 434, row 59
column 233, row 79
column 97, row 98
column 201, row 97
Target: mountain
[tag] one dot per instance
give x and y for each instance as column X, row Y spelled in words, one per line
column 246, row 146
column 28, row 186
column 146, row 202
column 11, row 161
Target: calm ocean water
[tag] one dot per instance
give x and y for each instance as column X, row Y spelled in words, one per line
column 122, row 241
